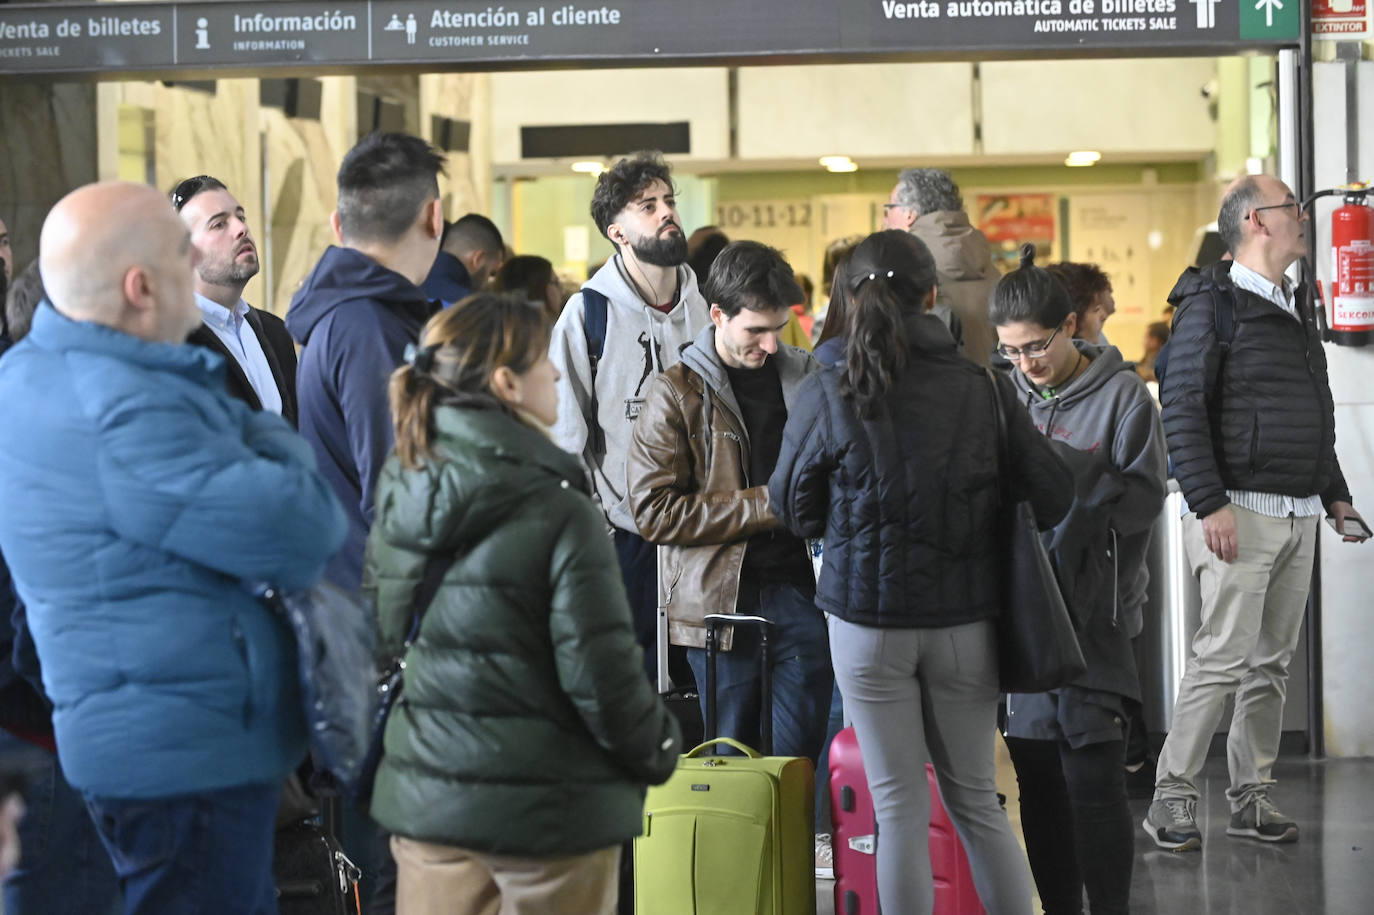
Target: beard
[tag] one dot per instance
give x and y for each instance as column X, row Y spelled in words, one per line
column 661, row 250
column 231, row 273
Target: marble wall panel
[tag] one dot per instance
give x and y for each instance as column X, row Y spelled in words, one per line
column 463, row 97
column 302, row 159
column 47, row 149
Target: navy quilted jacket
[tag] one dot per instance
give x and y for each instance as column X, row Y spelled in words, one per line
column 1256, row 417
column 907, row 502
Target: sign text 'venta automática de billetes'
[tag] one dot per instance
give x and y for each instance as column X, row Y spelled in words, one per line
column 964, row 9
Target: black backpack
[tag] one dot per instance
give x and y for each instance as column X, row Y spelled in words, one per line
column 1224, row 320
column 594, row 327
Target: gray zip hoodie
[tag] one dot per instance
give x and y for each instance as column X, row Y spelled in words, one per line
column 640, row 342
column 1108, row 431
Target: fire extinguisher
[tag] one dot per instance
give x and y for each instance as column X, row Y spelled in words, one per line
column 1352, row 271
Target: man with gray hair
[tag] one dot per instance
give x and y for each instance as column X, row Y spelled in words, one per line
column 927, row 204
column 1251, row 428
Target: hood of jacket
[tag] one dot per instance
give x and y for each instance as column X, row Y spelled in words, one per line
column 502, row 463
column 961, row 251
column 344, row 276
column 622, row 297
column 1198, row 279
column 448, row 280
column 1106, row 362
column 701, row 357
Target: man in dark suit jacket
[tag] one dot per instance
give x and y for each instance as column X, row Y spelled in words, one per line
column 260, row 353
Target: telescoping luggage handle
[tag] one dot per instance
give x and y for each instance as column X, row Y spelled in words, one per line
column 713, row 622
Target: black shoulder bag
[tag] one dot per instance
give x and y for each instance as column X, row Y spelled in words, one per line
column 392, row 677
column 1037, row 649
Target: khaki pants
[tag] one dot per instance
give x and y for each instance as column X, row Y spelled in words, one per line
column 443, row 880
column 1252, row 612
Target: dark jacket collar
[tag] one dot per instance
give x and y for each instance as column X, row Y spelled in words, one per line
column 55, row 332
column 344, row 276
column 448, row 280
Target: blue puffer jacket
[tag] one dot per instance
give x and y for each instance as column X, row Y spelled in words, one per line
column 139, row 499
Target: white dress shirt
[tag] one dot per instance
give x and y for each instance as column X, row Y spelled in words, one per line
column 241, row 340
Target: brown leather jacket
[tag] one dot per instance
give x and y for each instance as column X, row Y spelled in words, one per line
column 687, row 470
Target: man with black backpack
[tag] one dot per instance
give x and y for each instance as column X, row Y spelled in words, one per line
column 1248, row 413
column 624, row 327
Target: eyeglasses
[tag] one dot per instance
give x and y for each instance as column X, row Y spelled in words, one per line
column 1297, row 208
column 1031, row 350
column 190, row 188
column 889, row 207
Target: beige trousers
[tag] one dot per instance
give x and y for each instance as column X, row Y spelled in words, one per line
column 1252, row 613
column 443, row 880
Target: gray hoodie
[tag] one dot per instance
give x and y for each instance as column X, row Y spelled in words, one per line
column 1108, row 431
column 640, row 342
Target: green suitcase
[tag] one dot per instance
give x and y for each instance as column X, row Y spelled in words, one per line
column 729, row 835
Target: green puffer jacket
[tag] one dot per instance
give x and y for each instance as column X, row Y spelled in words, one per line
column 527, row 726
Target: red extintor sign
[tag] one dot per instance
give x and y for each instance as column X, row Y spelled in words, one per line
column 1339, row 20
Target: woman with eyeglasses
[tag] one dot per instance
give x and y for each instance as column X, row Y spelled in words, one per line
column 1067, row 744
column 891, row 455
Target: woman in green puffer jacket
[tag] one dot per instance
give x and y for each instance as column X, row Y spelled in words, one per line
column 517, row 758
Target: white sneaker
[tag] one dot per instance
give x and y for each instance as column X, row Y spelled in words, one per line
column 825, row 858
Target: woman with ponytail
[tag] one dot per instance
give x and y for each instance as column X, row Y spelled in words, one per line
column 1067, row 744
column 891, row 456
column 517, row 758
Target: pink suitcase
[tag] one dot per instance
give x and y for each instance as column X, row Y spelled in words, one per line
column 855, row 841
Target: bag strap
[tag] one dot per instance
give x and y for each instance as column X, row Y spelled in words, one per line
column 594, row 327
column 1000, row 417
column 436, row 567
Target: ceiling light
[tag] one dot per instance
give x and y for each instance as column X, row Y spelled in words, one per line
column 1082, row 157
column 589, row 167
column 850, row 166
column 831, row 161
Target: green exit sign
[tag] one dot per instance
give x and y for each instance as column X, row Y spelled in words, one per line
column 1270, row 19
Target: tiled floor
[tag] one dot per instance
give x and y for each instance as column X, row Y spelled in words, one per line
column 1329, row 870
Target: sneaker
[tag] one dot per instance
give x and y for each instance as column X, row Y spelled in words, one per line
column 1171, row 822
column 825, row 858
column 1260, row 819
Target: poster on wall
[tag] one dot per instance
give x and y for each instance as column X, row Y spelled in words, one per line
column 1011, row 220
column 1112, row 231
column 1340, row 20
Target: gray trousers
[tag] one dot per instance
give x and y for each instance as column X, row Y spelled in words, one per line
column 930, row 695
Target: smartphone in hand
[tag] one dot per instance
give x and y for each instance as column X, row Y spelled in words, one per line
column 1354, row 527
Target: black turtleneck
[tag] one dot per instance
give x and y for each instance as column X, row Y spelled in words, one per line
column 777, row 555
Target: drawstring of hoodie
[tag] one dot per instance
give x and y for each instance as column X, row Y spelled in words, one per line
column 648, row 311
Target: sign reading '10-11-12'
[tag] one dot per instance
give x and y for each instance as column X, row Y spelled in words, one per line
column 167, row 37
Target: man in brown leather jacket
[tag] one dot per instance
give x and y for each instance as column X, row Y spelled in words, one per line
column 700, row 456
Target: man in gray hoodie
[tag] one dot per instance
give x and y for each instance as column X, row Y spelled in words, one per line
column 624, row 327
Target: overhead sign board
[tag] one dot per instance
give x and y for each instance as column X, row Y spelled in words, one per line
column 110, row 38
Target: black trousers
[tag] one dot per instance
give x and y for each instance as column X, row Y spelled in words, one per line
column 1079, row 792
